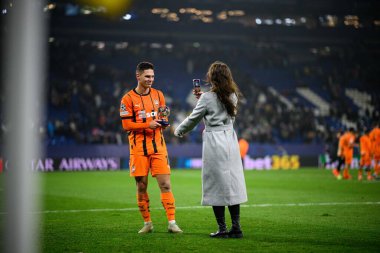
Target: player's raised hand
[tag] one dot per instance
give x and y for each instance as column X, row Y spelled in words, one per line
column 197, row 94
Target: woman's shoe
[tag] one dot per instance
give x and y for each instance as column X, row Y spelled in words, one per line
column 219, row 234
column 234, row 233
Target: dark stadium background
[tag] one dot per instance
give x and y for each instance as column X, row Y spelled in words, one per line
column 306, row 69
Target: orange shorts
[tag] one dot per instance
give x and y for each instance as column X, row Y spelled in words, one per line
column 158, row 164
column 376, row 156
column 348, row 159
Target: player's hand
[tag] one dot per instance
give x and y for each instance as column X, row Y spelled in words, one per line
column 178, row 134
column 165, row 126
column 197, row 94
column 154, row 124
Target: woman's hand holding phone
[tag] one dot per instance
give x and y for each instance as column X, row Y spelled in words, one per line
column 197, row 88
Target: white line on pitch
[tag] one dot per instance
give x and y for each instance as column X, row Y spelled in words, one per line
column 198, row 207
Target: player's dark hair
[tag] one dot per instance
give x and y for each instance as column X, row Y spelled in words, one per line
column 223, row 84
column 144, row 66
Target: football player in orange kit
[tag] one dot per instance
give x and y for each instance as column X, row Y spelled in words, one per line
column 346, row 150
column 244, row 147
column 365, row 155
column 334, row 158
column 138, row 111
column 375, row 140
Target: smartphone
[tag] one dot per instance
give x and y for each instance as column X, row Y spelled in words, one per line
column 197, row 85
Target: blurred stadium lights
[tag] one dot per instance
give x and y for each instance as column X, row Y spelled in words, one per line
column 127, row 16
column 108, row 8
column 156, row 45
column 352, row 20
column 196, row 44
column 49, row 7
column 121, row 45
column 236, row 13
column 222, row 15
column 169, row 46
column 247, row 13
column 100, row 45
column 160, row 10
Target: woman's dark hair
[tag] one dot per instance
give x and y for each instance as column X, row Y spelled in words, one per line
column 220, row 77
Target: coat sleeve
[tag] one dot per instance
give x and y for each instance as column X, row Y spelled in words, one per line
column 193, row 119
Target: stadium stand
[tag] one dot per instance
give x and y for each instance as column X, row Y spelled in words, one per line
column 284, row 102
column 303, row 74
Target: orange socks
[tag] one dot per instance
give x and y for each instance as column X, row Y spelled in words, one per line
column 167, row 200
column 377, row 168
column 143, row 203
column 346, row 173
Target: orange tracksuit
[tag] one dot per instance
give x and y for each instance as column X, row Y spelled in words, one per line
column 244, row 146
column 375, row 139
column 365, row 150
column 346, row 146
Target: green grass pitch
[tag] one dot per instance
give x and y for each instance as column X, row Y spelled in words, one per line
column 306, row 210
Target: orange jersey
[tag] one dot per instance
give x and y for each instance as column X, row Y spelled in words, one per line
column 365, row 145
column 346, row 143
column 136, row 112
column 244, row 146
column 375, row 140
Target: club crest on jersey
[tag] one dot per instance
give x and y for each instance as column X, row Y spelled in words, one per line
column 156, row 102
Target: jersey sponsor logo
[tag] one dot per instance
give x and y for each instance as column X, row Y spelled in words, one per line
column 143, row 115
column 137, row 105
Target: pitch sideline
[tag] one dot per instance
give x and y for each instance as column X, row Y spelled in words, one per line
column 199, row 207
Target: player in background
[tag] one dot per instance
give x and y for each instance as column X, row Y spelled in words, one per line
column 334, row 158
column 138, row 111
column 244, row 147
column 375, row 141
column 346, row 151
column 365, row 155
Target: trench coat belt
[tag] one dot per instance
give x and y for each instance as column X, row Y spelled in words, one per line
column 219, row 128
